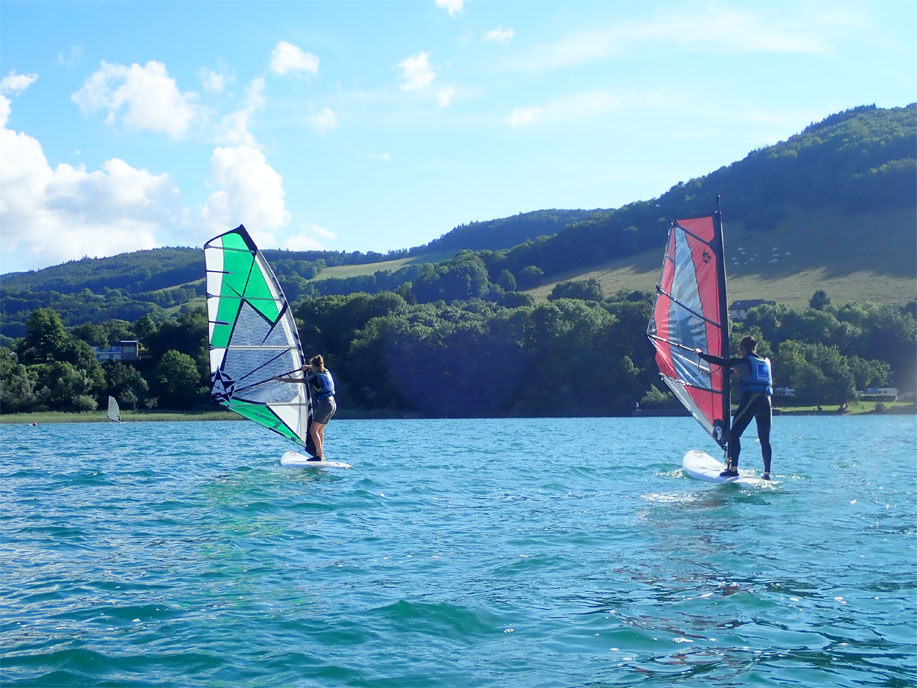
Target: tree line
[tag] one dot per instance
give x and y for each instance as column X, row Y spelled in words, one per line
column 581, row 354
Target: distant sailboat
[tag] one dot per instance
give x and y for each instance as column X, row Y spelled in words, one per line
column 114, row 411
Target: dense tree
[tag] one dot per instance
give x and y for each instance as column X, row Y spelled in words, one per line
column 506, row 281
column 45, row 337
column 529, row 276
column 472, row 357
column 177, row 380
column 127, row 385
column 587, row 290
column 63, row 386
column 17, row 386
column 819, row 300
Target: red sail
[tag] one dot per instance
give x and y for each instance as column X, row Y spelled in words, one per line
column 689, row 314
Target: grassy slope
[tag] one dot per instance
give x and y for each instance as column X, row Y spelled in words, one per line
column 344, row 271
column 852, row 267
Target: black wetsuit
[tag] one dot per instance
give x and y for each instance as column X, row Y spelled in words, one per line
column 753, row 405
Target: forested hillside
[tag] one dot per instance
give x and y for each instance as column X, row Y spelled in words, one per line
column 464, row 336
column 858, row 164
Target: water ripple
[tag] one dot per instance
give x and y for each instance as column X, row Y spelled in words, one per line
column 453, row 554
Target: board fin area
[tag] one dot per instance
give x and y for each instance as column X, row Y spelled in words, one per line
column 297, row 460
column 701, row 466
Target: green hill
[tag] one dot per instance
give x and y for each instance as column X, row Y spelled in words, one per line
column 787, row 264
column 833, row 207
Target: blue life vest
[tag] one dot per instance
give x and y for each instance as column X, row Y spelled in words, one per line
column 759, row 378
column 326, row 388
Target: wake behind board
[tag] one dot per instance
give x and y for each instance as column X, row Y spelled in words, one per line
column 297, row 460
column 702, row 466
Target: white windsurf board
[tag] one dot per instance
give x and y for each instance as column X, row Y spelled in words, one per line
column 297, row 460
column 702, row 466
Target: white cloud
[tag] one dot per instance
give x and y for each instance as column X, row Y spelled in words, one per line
column 254, row 94
column 150, row 98
column 4, row 110
column 233, row 129
column 14, row 84
column 323, row 121
column 252, row 193
column 309, row 237
column 520, row 117
column 416, row 73
column 212, row 81
column 573, row 107
column 49, row 216
column 52, row 215
column 290, row 59
column 715, row 28
column 70, row 60
column 444, row 96
column 451, row 6
column 499, row 35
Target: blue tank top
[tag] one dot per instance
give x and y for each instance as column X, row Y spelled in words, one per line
column 759, row 378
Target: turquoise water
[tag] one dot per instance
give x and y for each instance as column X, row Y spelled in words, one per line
column 562, row 552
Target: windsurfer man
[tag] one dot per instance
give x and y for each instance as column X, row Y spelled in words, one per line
column 324, row 406
column 757, row 386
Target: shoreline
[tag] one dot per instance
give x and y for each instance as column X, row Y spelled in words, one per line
column 177, row 416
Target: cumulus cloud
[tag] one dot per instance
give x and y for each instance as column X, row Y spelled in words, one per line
column 4, row 110
column 290, row 59
column 416, row 73
column 234, row 128
column 309, row 237
column 499, row 35
column 251, row 192
column 48, row 216
column 149, row 98
column 52, row 215
column 323, row 121
column 451, row 6
column 14, row 84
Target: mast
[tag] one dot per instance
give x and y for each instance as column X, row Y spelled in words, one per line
column 719, row 248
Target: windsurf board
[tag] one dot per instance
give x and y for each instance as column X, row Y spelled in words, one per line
column 702, row 466
column 297, row 460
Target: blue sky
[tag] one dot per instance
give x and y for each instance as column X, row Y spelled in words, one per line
column 381, row 125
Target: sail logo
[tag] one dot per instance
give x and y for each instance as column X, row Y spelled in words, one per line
column 718, row 432
column 707, row 256
column 223, row 386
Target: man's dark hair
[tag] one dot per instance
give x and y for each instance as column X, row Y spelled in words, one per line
column 749, row 343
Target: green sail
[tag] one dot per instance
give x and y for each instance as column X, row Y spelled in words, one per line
column 253, row 339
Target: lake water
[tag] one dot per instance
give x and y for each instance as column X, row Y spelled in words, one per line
column 560, row 552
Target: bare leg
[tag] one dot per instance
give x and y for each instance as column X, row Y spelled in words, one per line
column 317, row 431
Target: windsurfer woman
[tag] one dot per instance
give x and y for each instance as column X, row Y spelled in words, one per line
column 324, row 406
